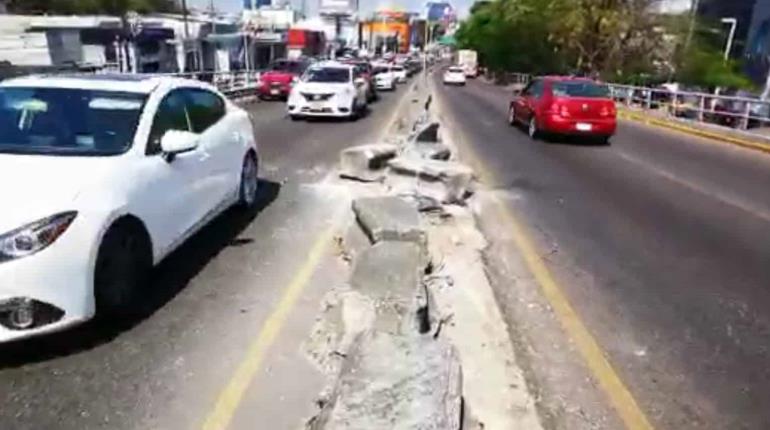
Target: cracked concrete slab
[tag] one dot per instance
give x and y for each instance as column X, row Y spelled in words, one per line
column 394, row 382
column 389, row 218
column 365, row 162
column 389, row 273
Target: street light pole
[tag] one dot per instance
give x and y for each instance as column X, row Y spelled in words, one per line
column 733, row 24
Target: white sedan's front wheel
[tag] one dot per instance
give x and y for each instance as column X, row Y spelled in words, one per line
column 249, row 182
column 123, row 264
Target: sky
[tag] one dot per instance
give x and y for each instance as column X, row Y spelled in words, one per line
column 366, row 5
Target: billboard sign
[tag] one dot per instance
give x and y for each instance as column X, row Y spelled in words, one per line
column 344, row 7
column 440, row 12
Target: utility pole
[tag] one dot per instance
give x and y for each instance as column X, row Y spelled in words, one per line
column 694, row 6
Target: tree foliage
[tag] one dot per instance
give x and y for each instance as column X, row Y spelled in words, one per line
column 109, row 7
column 622, row 40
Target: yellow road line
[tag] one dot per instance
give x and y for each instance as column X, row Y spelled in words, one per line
column 230, row 397
column 594, row 357
column 721, row 138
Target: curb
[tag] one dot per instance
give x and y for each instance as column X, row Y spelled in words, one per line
column 672, row 125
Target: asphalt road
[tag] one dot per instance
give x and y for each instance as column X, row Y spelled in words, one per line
column 165, row 368
column 661, row 242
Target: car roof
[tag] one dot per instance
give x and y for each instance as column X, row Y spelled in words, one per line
column 130, row 83
column 567, row 78
column 332, row 64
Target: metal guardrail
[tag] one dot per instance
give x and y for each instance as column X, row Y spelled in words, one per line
column 730, row 111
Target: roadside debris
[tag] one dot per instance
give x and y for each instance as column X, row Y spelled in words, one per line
column 389, row 340
column 366, row 162
column 388, row 218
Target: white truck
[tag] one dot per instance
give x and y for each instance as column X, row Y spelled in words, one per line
column 468, row 59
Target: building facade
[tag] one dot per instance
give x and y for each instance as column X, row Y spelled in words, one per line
column 713, row 11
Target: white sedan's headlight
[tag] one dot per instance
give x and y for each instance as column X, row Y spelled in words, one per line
column 34, row 237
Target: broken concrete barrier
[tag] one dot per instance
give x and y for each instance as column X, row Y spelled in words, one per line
column 457, row 178
column 365, row 162
column 427, row 150
column 389, row 218
column 391, row 382
column 389, row 274
column 427, row 133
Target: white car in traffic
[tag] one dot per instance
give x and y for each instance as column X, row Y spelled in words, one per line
column 454, row 76
column 103, row 176
column 384, row 77
column 328, row 89
column 400, row 72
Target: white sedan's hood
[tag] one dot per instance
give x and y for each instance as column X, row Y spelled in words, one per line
column 321, row 87
column 36, row 186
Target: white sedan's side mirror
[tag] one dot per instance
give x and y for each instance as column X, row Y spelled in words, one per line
column 176, row 142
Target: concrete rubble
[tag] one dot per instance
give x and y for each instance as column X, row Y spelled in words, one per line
column 393, row 382
column 380, row 338
column 455, row 178
column 388, row 218
column 366, row 162
column 389, row 274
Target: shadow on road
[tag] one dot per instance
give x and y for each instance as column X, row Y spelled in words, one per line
column 168, row 279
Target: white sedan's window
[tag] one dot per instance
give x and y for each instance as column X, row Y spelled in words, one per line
column 63, row 121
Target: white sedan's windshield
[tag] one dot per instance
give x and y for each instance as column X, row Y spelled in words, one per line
column 62, row 121
column 335, row 75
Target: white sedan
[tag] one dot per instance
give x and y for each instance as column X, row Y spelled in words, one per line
column 454, row 76
column 384, row 77
column 400, row 72
column 328, row 89
column 103, row 176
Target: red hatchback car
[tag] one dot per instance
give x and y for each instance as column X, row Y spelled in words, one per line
column 565, row 106
column 277, row 81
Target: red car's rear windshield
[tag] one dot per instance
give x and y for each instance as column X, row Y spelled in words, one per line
column 580, row 89
column 288, row 66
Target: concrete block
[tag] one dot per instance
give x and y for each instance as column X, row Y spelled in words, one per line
column 431, row 151
column 427, row 133
column 396, row 383
column 365, row 162
column 388, row 218
column 389, row 274
column 457, row 178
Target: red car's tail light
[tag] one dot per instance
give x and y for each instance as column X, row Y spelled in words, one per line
column 559, row 109
column 607, row 110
